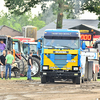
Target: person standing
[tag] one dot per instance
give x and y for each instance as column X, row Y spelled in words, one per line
column 9, row 61
column 30, row 66
column 2, row 63
column 2, row 45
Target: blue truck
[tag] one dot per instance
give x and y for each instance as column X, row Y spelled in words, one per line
column 61, row 56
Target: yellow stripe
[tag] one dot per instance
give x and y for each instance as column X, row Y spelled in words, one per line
column 47, row 51
column 47, row 61
column 69, row 65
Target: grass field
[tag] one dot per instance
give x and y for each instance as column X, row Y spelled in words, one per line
column 34, row 78
column 98, row 79
column 24, row 78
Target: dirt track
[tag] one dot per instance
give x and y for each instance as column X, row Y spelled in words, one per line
column 34, row 90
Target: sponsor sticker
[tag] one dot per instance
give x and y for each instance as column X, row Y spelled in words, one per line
column 53, row 67
column 60, row 51
column 70, row 61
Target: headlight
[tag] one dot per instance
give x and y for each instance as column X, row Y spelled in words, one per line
column 75, row 68
column 45, row 67
column 44, row 73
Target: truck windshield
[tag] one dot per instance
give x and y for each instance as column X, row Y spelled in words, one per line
column 16, row 47
column 62, row 43
column 25, row 48
column 33, row 48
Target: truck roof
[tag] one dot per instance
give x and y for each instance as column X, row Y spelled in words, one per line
column 15, row 40
column 62, row 33
column 22, row 39
column 30, row 42
column 4, row 36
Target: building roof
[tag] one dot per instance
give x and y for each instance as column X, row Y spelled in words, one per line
column 10, row 28
column 87, row 27
column 68, row 23
column 1, row 27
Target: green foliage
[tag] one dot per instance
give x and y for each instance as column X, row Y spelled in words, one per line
column 92, row 6
column 17, row 22
column 71, row 9
column 20, row 6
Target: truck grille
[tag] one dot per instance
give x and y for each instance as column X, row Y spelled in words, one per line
column 61, row 60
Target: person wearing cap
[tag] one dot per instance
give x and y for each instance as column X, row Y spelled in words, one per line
column 30, row 66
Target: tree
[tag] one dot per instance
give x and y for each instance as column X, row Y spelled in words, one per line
column 60, row 13
column 21, row 6
column 92, row 6
column 17, row 22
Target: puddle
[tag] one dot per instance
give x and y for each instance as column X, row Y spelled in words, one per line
column 10, row 97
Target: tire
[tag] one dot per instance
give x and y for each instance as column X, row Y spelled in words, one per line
column 43, row 79
column 35, row 71
column 74, row 80
column 17, row 74
column 21, row 66
column 78, row 80
column 25, row 67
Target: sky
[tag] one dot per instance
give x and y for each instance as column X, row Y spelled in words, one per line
column 35, row 11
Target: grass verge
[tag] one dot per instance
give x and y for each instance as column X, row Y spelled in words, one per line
column 98, row 79
column 24, row 78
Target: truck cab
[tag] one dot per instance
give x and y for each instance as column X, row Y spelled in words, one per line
column 8, row 42
column 60, row 56
column 9, row 46
column 30, row 46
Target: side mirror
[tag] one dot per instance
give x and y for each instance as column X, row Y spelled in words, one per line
column 83, row 46
column 38, row 45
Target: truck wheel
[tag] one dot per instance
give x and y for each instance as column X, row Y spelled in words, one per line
column 35, row 71
column 74, row 80
column 43, row 79
column 78, row 80
column 17, row 74
column 21, row 66
column 25, row 67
